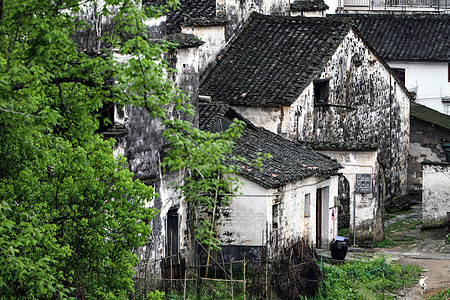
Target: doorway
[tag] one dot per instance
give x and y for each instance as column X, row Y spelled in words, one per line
column 172, row 233
column 322, row 218
column 319, row 218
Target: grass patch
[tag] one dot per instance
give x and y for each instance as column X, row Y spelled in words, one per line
column 395, row 234
column 441, row 295
column 356, row 280
column 363, row 279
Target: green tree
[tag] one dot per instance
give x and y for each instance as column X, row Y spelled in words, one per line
column 70, row 213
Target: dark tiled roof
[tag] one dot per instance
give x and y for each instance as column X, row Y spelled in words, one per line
column 308, row 5
column 334, row 145
column 407, row 37
column 290, row 162
column 430, row 115
column 272, row 59
column 210, row 113
column 195, row 13
column 184, row 40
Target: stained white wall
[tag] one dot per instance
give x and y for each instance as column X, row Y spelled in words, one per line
column 238, row 11
column 436, row 195
column 214, row 38
column 267, row 117
column 249, row 216
column 368, row 209
column 294, row 223
column 429, row 80
column 243, row 221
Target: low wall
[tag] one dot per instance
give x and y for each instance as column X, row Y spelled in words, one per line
column 436, row 194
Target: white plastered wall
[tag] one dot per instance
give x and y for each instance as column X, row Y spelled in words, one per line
column 214, row 38
column 429, row 80
column 367, row 216
column 436, row 195
column 248, row 218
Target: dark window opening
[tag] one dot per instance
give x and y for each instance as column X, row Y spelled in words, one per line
column 106, row 117
column 173, row 265
column 446, row 146
column 321, row 91
column 172, row 233
column 221, row 125
column 400, row 73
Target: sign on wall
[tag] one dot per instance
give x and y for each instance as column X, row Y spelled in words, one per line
column 363, row 183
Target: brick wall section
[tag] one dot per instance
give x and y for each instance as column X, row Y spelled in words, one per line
column 426, row 145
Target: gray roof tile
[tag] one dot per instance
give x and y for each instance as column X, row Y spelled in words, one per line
column 272, row 59
column 407, row 37
column 290, row 162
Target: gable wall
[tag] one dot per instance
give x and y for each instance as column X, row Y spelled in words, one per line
column 144, row 142
column 243, row 221
column 373, row 108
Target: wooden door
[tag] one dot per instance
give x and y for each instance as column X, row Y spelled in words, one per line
column 172, row 233
column 319, row 219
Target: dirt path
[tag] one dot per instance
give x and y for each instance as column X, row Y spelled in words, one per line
column 438, row 273
column 428, row 249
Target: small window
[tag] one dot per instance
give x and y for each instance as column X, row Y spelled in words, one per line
column 307, row 205
column 321, row 90
column 400, row 74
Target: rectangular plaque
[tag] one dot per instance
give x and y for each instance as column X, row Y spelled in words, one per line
column 363, row 183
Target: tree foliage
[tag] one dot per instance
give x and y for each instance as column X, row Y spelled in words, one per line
column 71, row 214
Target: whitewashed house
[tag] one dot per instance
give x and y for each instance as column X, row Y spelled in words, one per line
column 417, row 48
column 430, row 143
column 359, row 188
column 316, row 79
column 292, row 196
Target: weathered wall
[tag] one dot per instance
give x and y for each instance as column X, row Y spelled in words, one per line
column 214, row 38
column 238, row 11
column 267, row 117
column 291, row 206
column 243, row 221
column 366, row 104
column 261, row 215
column 425, row 145
column 436, row 194
column 369, row 207
column 316, row 13
column 144, row 144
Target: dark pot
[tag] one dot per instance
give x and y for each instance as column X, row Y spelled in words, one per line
column 338, row 250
